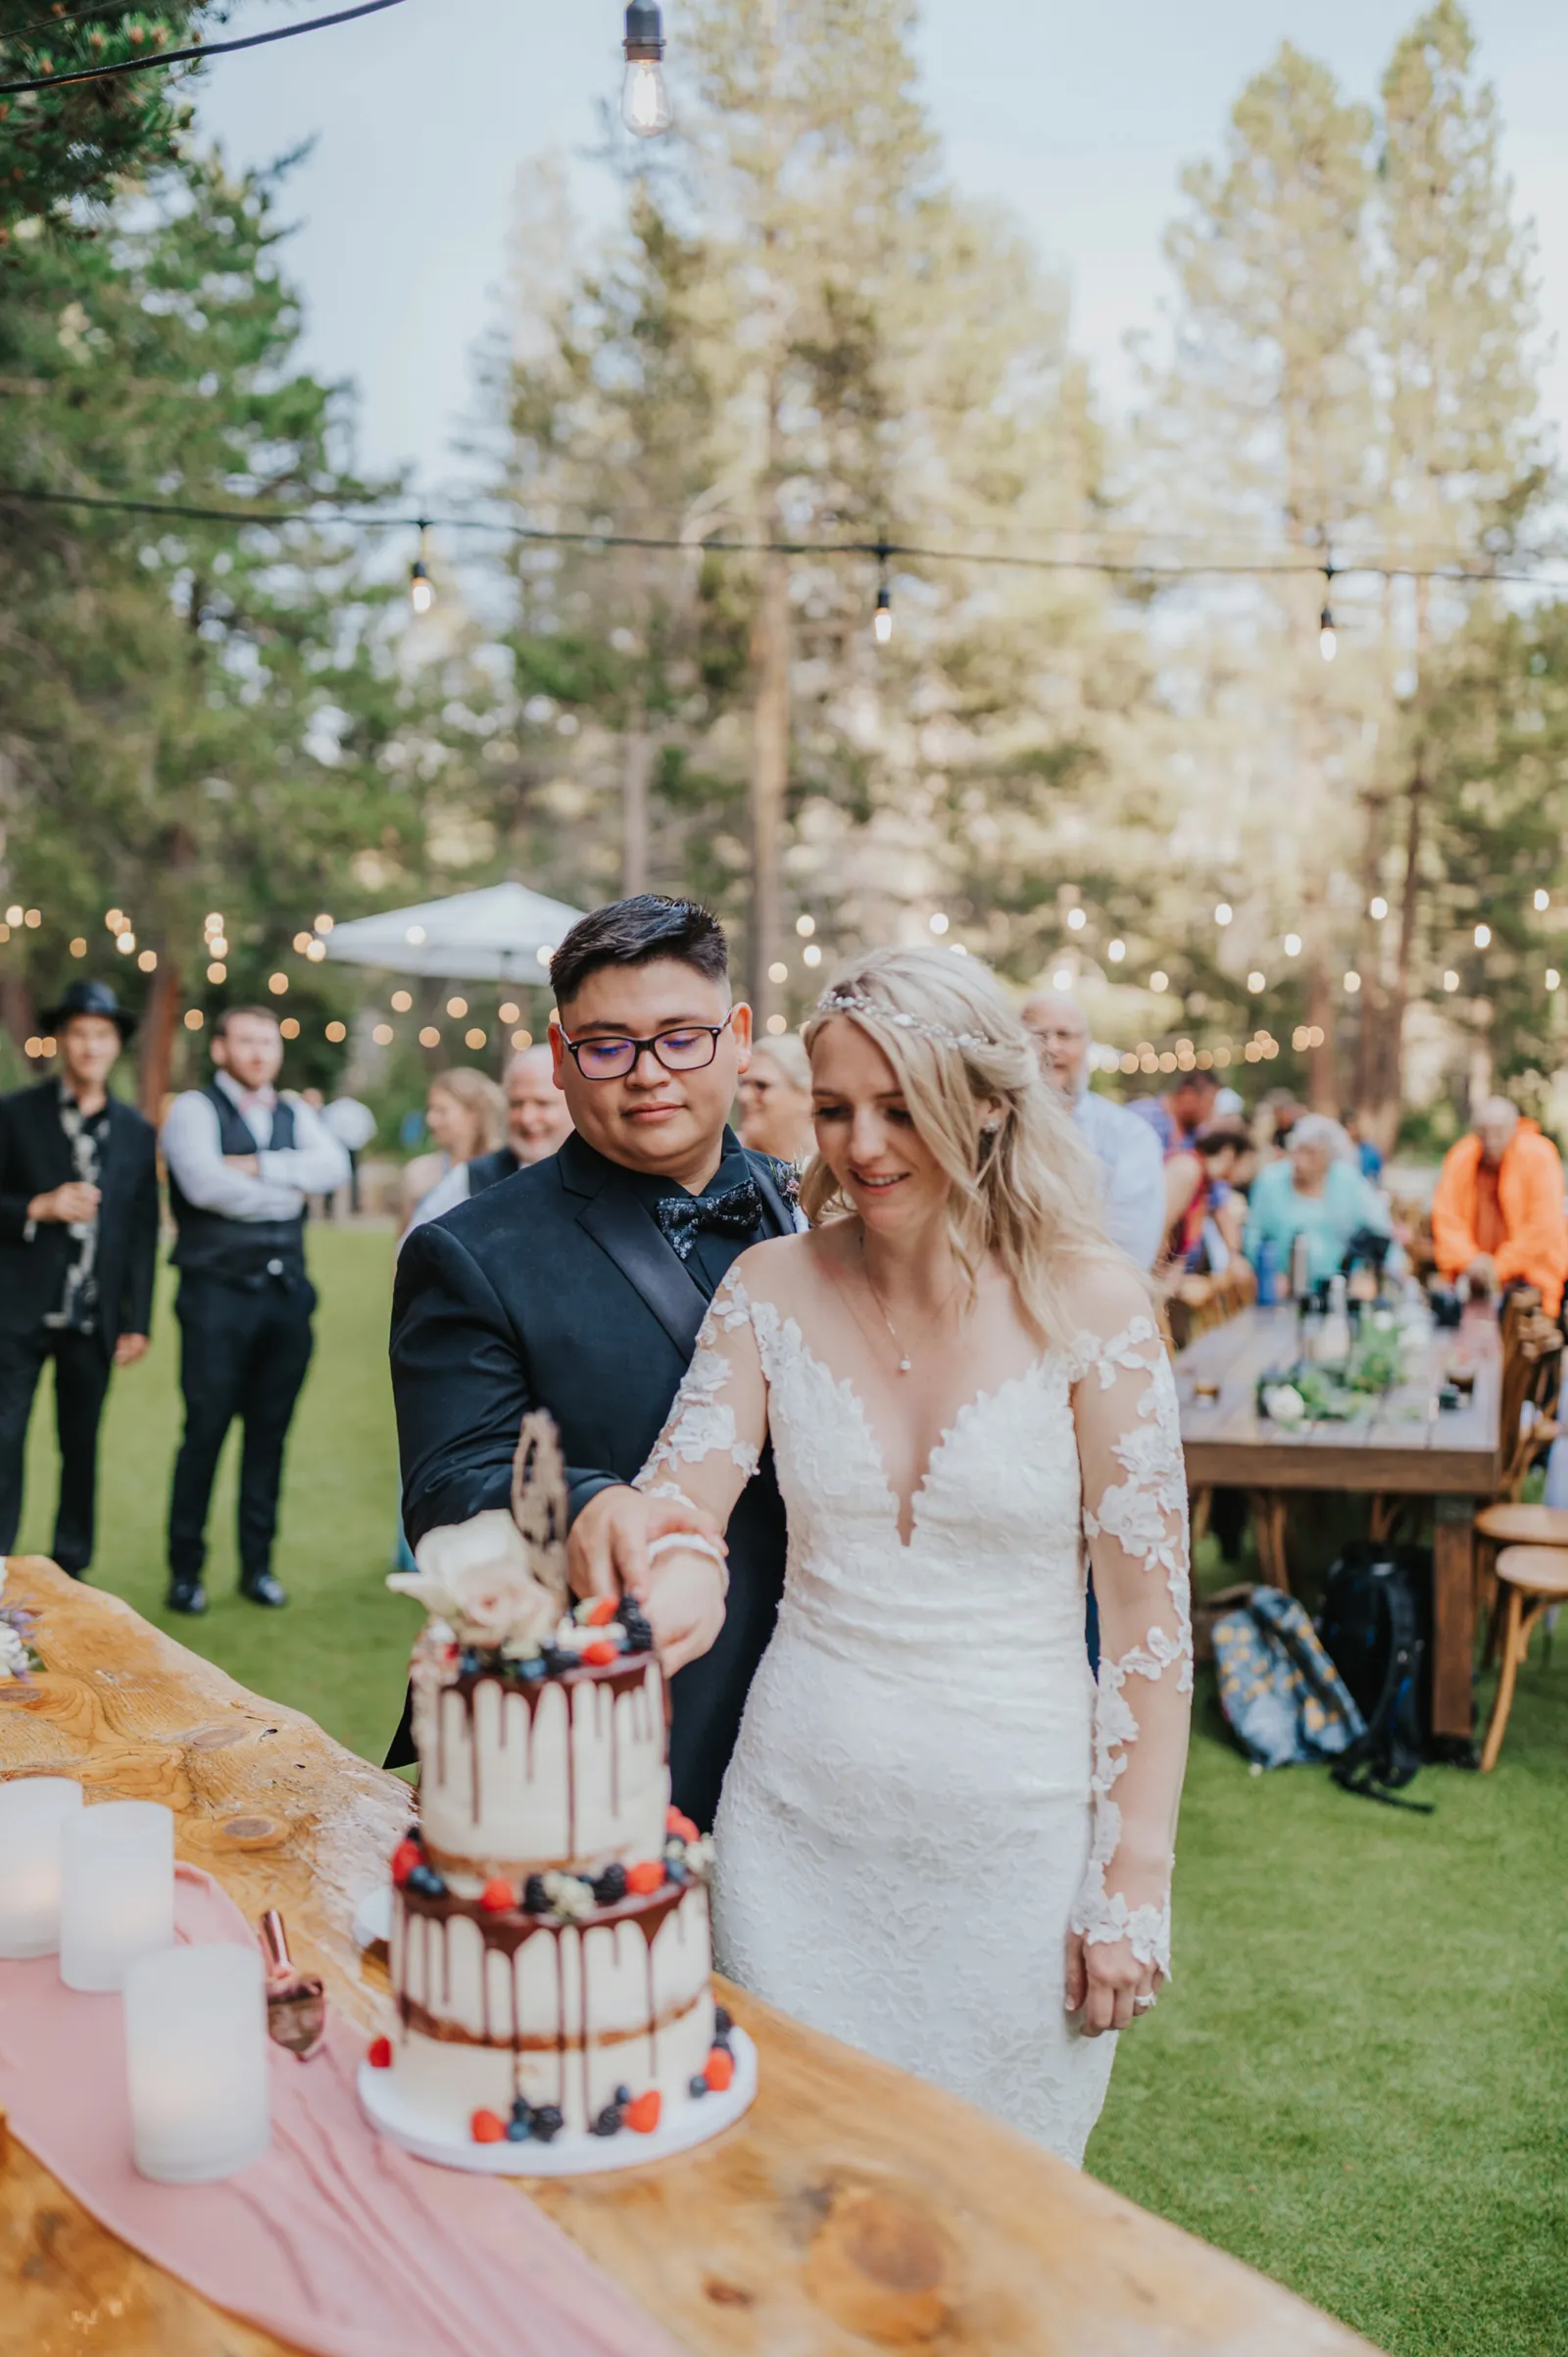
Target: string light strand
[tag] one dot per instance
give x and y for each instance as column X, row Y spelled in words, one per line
column 193, row 53
column 1118, row 568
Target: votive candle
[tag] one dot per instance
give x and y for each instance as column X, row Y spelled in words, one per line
column 116, row 1890
column 196, row 2063
column 33, row 1810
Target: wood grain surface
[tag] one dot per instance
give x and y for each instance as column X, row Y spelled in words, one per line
column 855, row 2210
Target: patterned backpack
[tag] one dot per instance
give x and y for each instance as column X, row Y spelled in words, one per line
column 1285, row 1700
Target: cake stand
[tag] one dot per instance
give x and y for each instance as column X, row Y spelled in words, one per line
column 695, row 2122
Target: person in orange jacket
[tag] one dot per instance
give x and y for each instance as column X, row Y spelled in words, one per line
column 1498, row 1216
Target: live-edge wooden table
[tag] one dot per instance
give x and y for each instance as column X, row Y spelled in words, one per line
column 854, row 2210
column 1407, row 1449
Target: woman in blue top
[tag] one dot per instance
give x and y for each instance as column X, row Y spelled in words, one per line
column 1317, row 1192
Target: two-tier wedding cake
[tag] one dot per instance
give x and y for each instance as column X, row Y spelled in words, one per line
column 549, row 1948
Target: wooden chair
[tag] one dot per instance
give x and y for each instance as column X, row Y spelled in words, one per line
column 1530, row 1581
column 1527, row 1423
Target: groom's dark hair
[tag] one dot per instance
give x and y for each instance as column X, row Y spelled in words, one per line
column 635, row 932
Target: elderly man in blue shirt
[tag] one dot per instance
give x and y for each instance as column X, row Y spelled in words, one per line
column 1127, row 1149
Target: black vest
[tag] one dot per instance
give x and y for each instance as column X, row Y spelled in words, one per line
column 238, row 1251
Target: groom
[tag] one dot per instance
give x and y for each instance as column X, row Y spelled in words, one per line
column 579, row 1284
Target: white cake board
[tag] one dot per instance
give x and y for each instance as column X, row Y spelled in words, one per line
column 373, row 1917
column 696, row 2122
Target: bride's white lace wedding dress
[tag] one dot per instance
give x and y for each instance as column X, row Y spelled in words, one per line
column 927, row 1789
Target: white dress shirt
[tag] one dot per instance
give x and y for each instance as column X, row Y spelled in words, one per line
column 315, row 1165
column 1129, row 1154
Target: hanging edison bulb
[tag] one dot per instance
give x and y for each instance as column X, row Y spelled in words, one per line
column 883, row 622
column 421, row 589
column 1327, row 638
column 644, row 98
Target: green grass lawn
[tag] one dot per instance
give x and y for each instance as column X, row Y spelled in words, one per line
column 1359, row 2080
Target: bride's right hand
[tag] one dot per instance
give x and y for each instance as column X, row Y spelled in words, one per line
column 607, row 1552
column 685, row 1606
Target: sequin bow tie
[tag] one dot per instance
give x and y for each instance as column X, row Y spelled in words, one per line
column 737, row 1212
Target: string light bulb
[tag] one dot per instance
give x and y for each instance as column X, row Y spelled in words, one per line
column 1543, row 899
column 1327, row 638
column 421, row 589
column 882, row 621
column 644, row 98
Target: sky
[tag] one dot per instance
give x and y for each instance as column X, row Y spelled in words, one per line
column 1079, row 118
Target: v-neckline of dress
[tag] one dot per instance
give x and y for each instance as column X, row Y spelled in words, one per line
column 844, row 1386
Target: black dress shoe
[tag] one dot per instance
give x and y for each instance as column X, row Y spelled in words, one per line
column 186, row 1596
column 262, row 1588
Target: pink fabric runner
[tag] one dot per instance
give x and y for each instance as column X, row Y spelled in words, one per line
column 334, row 2241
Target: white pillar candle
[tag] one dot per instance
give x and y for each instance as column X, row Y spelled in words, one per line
column 33, row 1811
column 196, row 2063
column 116, row 1890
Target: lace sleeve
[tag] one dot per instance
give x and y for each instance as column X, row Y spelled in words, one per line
column 712, row 1441
column 1135, row 1520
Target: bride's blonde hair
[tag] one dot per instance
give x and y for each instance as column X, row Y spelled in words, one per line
column 1024, row 1186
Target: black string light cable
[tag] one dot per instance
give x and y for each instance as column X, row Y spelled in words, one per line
column 880, row 551
column 194, row 53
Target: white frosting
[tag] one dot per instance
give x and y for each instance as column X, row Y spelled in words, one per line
column 627, row 2011
column 539, row 1803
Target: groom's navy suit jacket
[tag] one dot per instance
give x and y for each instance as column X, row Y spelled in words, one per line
column 558, row 1289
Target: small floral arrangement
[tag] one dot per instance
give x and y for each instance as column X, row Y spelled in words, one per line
column 17, row 1654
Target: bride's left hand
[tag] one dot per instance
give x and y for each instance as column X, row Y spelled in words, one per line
column 1107, row 1985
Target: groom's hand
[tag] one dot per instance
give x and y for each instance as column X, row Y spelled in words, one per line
column 607, row 1554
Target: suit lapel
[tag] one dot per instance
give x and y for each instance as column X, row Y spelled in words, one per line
column 56, row 1145
column 614, row 1217
column 772, row 1195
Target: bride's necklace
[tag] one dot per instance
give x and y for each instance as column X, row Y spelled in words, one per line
column 905, row 1362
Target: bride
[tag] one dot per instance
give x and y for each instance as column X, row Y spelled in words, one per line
column 937, row 1841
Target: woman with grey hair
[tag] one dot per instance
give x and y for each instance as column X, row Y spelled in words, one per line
column 1315, row 1190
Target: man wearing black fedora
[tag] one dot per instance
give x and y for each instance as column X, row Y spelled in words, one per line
column 78, row 1242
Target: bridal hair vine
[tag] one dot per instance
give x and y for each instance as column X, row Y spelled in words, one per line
column 848, row 1001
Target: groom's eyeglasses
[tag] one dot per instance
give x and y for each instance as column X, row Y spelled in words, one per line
column 689, row 1048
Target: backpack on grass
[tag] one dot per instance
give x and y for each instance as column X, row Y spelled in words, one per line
column 1376, row 1622
column 1280, row 1691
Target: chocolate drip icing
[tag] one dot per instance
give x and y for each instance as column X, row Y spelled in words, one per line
column 509, row 1930
column 629, row 1674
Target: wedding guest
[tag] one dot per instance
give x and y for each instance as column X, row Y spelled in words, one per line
column 352, row 1124
column 241, row 1160
column 776, row 1100
column 465, row 1115
column 1498, row 1215
column 1315, row 1190
column 1204, row 1204
column 1127, row 1149
column 1178, row 1115
column 537, row 1124
column 78, row 1246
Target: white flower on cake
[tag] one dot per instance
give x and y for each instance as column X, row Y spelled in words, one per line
column 476, row 1576
column 14, row 1662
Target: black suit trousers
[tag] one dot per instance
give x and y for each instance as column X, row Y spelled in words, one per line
column 243, row 1353
column 82, row 1381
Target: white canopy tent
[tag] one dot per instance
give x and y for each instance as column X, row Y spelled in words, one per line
column 504, row 933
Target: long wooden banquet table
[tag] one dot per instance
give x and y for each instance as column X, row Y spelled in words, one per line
column 852, row 2210
column 1408, row 1449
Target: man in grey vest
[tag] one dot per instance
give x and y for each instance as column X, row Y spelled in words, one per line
column 241, row 1160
